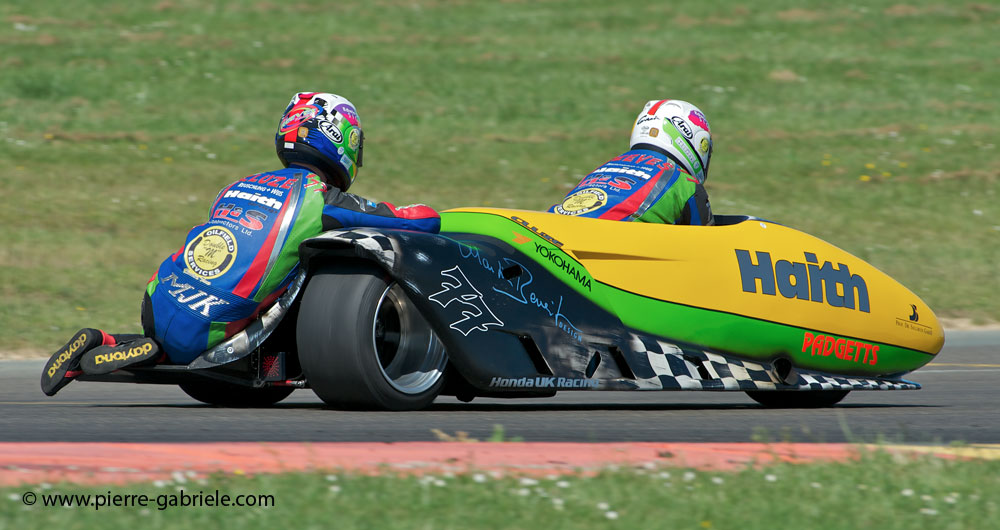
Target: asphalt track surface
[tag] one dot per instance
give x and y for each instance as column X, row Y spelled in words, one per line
column 960, row 401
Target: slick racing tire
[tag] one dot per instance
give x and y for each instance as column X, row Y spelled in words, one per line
column 796, row 399
column 230, row 395
column 364, row 345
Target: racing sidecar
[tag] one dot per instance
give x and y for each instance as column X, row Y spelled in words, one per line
column 514, row 303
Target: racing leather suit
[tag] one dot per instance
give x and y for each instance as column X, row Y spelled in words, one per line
column 236, row 264
column 639, row 185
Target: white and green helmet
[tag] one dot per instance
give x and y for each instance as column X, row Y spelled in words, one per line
column 678, row 128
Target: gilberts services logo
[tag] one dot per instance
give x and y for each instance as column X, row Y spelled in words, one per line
column 211, row 253
column 584, row 201
column 804, row 281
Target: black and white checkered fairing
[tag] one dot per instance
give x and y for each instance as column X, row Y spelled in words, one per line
column 365, row 240
column 677, row 368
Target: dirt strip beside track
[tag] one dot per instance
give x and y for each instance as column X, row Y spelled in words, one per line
column 118, row 463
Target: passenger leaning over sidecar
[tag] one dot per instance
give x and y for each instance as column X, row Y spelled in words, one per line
column 660, row 179
column 236, row 264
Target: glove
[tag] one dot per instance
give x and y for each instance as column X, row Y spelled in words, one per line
column 413, row 211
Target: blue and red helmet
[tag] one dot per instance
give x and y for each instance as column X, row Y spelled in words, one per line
column 322, row 130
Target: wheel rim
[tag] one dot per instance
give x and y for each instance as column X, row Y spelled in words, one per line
column 409, row 354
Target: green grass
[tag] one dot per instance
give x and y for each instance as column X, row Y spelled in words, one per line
column 119, row 122
column 878, row 491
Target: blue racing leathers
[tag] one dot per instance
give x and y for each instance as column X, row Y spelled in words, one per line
column 639, row 185
column 246, row 254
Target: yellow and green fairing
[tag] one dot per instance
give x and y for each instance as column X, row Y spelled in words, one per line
column 754, row 289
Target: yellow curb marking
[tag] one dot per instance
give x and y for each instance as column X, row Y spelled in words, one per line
column 984, row 451
column 965, row 364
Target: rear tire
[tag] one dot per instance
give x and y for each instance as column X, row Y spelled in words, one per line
column 230, row 395
column 796, row 399
column 364, row 345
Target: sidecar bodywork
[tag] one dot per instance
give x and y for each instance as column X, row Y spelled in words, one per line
column 530, row 303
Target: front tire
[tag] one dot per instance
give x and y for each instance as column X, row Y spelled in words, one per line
column 797, row 399
column 364, row 345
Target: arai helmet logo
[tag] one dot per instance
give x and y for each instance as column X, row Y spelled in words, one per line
column 331, row 131
column 682, row 126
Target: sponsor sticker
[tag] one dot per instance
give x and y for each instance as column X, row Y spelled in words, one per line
column 211, row 253
column 698, row 119
column 348, row 112
column 536, row 231
column 654, row 132
column 912, row 322
column 682, row 126
column 566, row 265
column 543, row 382
column 808, row 280
column 354, row 139
column 703, row 145
column 693, row 160
column 842, row 348
column 584, row 201
column 331, row 131
column 296, row 118
column 267, row 202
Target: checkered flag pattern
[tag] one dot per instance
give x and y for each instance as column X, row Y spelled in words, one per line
column 366, row 240
column 812, row 381
column 677, row 368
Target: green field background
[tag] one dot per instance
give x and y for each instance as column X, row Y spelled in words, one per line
column 871, row 125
